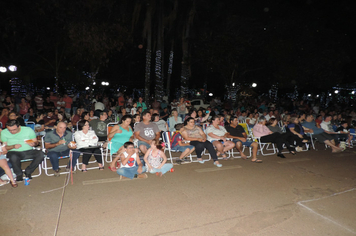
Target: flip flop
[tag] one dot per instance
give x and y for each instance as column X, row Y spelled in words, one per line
column 257, row 161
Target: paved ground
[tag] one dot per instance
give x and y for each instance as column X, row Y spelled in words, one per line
column 312, row 193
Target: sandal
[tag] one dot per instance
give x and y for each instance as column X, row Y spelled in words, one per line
column 257, row 161
column 101, row 168
column 13, row 184
column 84, row 170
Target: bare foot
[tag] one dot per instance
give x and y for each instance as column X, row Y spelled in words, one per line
column 243, row 156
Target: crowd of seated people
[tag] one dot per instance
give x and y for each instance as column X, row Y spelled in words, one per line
column 216, row 128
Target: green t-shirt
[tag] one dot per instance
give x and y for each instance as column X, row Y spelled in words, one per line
column 19, row 138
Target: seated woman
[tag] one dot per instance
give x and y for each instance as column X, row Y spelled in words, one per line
column 162, row 125
column 177, row 144
column 131, row 164
column 217, row 136
column 76, row 117
column 39, row 125
column 261, row 131
column 62, row 118
column 111, row 116
column 197, row 138
column 87, row 142
column 92, row 116
column 174, row 119
column 135, row 119
column 13, row 116
column 155, row 159
column 250, row 120
column 6, row 168
column 120, row 134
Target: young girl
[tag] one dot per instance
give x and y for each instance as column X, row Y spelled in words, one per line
column 156, row 159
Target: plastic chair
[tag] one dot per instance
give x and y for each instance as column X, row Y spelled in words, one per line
column 264, row 146
column 45, row 166
column 30, row 124
column 108, row 154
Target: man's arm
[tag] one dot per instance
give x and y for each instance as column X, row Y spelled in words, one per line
column 53, row 145
column 137, row 135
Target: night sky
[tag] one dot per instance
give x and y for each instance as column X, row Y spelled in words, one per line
column 305, row 43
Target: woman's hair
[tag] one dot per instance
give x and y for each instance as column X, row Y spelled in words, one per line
column 187, row 120
column 261, row 119
column 215, row 117
column 270, row 121
column 154, row 116
column 125, row 117
column 84, row 114
column 191, row 111
column 133, row 117
column 81, row 124
column 293, row 118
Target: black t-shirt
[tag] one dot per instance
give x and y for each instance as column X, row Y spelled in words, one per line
column 237, row 131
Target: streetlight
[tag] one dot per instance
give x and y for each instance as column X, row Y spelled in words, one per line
column 94, row 83
column 254, row 85
column 233, row 84
column 87, row 88
column 353, row 92
column 336, row 91
column 12, row 68
column 3, row 69
column 309, row 95
column 210, row 94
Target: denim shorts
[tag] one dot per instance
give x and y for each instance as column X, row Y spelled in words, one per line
column 143, row 143
column 247, row 143
column 182, row 148
column 2, row 157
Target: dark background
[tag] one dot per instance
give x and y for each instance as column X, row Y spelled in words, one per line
column 305, row 43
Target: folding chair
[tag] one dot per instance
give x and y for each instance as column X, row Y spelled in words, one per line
column 108, row 154
column 30, row 124
column 263, row 146
column 166, row 137
column 45, row 166
column 90, row 162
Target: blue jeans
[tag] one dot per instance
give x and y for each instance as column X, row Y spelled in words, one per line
column 182, row 116
column 182, row 148
column 165, row 168
column 55, row 156
column 130, row 172
column 143, row 143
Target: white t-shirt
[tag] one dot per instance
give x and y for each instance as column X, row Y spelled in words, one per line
column 219, row 132
column 132, row 161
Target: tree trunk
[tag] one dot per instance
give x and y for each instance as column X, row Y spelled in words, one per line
column 147, row 33
column 169, row 73
column 159, row 91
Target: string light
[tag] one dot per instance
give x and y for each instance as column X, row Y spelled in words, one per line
column 159, row 78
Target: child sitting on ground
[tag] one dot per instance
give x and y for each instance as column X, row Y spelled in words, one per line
column 129, row 158
column 177, row 144
column 156, row 159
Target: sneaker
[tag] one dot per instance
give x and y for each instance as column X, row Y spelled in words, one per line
column 299, row 149
column 180, row 161
column 56, row 173
column 218, row 165
column 19, row 178
column 28, row 176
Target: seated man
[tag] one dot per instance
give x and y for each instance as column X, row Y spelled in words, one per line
column 328, row 128
column 129, row 158
column 20, row 142
column 344, row 128
column 179, row 145
column 319, row 133
column 50, row 119
column 239, row 136
column 100, row 126
column 145, row 132
column 57, row 142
